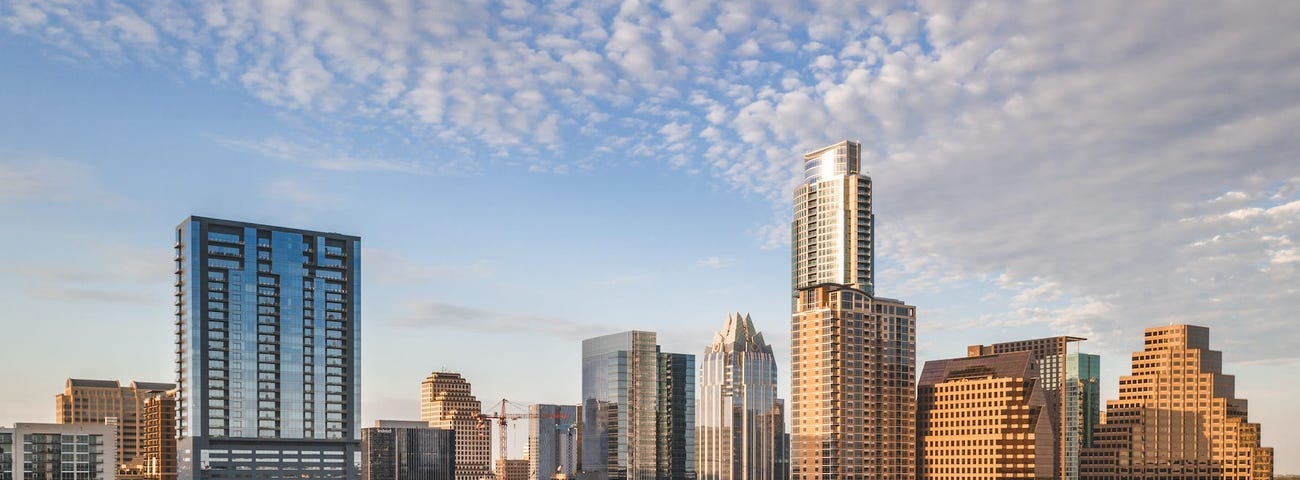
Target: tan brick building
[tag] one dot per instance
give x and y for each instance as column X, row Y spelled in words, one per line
column 159, row 437
column 984, row 417
column 446, row 402
column 108, row 402
column 1177, row 417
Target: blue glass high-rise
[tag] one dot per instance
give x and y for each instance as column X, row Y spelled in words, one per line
column 267, row 351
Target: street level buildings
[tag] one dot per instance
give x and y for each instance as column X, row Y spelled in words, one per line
column 109, row 402
column 267, row 351
column 407, row 450
column 1177, row 417
column 738, row 417
column 447, row 402
column 853, row 367
column 553, row 437
column 1070, row 381
column 984, row 417
column 638, row 420
column 50, row 451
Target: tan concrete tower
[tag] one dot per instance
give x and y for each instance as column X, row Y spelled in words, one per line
column 108, row 402
column 446, row 402
column 1177, row 417
column 853, row 371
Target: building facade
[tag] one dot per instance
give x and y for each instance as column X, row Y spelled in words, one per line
column 853, row 370
column 267, row 351
column 108, row 402
column 983, row 417
column 738, row 417
column 511, row 469
column 1177, row 417
column 45, row 451
column 398, row 450
column 620, row 374
column 676, row 418
column 159, row 451
column 552, row 441
column 446, row 401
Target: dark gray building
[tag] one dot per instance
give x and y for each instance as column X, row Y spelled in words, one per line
column 267, row 352
column 675, row 422
column 396, row 450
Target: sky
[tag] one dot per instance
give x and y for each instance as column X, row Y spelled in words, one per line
column 524, row 175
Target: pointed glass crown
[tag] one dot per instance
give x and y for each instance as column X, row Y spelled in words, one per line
column 739, row 335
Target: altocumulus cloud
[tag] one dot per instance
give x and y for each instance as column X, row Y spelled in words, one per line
column 1098, row 170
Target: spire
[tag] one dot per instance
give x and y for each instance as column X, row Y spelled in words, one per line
column 738, row 335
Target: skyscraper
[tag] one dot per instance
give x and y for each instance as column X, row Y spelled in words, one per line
column 108, row 402
column 447, row 402
column 853, row 370
column 676, row 419
column 398, row 450
column 737, row 418
column 1177, row 417
column 552, row 441
column 1069, row 379
column 267, row 351
column 638, row 409
column 983, row 417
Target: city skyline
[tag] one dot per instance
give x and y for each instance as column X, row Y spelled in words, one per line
column 1041, row 171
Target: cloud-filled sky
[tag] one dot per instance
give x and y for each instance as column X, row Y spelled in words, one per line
column 525, row 175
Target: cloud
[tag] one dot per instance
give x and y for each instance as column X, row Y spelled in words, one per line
column 713, row 262
column 26, row 178
column 392, row 268
column 438, row 314
column 326, row 157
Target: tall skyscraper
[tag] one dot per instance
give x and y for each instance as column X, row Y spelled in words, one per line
column 53, row 451
column 1177, row 417
column 676, row 418
column 552, row 441
column 853, row 370
column 1069, row 379
column 983, row 417
column 108, row 402
column 398, row 450
column 638, row 411
column 267, row 351
column 737, row 418
column 447, row 402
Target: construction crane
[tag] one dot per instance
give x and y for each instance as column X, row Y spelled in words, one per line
column 503, row 417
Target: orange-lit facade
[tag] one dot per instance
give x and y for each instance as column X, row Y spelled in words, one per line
column 109, row 402
column 1177, row 417
column 446, row 402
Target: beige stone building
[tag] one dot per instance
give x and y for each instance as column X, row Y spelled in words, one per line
column 446, row 402
column 853, row 371
column 108, row 402
column 159, row 437
column 512, row 469
column 984, row 417
column 1177, row 417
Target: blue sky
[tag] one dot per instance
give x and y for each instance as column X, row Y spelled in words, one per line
column 524, row 176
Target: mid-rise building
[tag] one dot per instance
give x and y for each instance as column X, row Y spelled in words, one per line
column 853, row 367
column 1070, row 381
column 553, row 438
column 782, row 451
column 511, row 469
column 638, row 411
column 983, row 417
column 267, row 351
column 109, row 402
column 405, row 450
column 52, row 451
column 738, row 416
column 446, row 401
column 676, row 418
column 1177, row 417
column 159, row 436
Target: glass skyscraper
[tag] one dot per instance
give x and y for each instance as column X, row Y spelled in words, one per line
column 676, row 418
column 267, row 351
column 552, row 441
column 738, row 420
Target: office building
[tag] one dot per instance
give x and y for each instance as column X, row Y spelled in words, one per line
column 267, row 351
column 738, row 417
column 853, row 370
column 782, row 451
column 159, row 437
column 552, row 441
column 401, row 450
column 676, row 418
column 638, row 410
column 54, row 451
column 108, row 402
column 1177, row 417
column 1069, row 379
column 511, row 469
column 447, row 402
column 983, row 417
